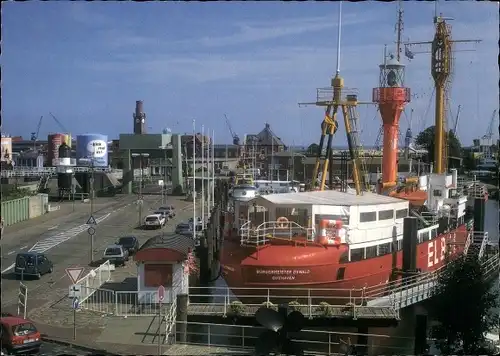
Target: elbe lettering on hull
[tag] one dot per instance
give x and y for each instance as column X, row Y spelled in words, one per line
column 436, row 250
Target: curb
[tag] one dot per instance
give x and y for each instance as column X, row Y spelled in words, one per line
column 77, row 346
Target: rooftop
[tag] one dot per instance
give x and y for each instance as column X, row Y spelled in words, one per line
column 328, row 197
column 179, row 243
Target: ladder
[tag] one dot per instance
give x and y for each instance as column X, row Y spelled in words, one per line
column 354, row 121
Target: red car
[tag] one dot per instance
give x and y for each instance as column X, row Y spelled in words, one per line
column 19, row 336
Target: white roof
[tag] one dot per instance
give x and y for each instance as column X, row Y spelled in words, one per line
column 327, row 197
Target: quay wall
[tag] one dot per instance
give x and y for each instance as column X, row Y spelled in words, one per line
column 22, row 209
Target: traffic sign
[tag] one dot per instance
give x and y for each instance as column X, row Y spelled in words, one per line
column 91, row 230
column 75, row 291
column 140, row 202
column 140, row 197
column 74, row 273
column 161, row 293
column 76, row 303
column 160, row 182
column 91, row 220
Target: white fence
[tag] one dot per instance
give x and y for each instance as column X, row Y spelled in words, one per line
column 93, row 280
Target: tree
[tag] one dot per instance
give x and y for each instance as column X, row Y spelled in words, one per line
column 426, row 139
column 463, row 307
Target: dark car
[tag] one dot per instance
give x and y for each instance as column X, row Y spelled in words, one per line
column 32, row 264
column 169, row 209
column 19, row 336
column 182, row 227
column 130, row 243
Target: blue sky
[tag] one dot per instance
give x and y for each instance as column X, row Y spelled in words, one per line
column 87, row 63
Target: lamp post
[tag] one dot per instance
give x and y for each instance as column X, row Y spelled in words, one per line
column 140, row 200
column 213, row 168
column 203, row 176
column 194, row 179
column 91, row 160
column 163, row 189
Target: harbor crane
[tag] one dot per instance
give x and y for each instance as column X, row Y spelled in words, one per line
column 236, row 138
column 34, row 135
column 58, row 122
column 489, row 131
column 455, row 125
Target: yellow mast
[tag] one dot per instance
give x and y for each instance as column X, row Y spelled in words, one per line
column 441, row 68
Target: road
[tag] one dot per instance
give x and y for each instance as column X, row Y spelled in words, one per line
column 65, row 248
column 53, row 349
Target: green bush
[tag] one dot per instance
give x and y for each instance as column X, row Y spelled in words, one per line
column 325, row 309
column 237, row 307
column 294, row 305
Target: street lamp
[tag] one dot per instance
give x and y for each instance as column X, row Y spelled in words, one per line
column 163, row 188
column 139, row 200
column 90, row 160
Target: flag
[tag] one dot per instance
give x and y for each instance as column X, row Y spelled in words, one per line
column 408, row 53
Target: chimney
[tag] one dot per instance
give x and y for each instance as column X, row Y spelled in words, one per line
column 139, row 118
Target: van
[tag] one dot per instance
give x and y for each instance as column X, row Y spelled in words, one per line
column 32, row 264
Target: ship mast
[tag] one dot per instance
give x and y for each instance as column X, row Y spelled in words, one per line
column 400, row 31
column 441, row 68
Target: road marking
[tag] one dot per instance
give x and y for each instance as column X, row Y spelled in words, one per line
column 25, row 246
column 53, row 241
column 53, row 227
column 11, row 252
column 8, row 268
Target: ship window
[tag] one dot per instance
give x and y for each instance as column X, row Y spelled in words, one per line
column 386, row 214
column 357, row 254
column 344, row 258
column 401, row 213
column 368, row 216
column 340, row 273
column 424, row 236
column 384, row 249
column 436, row 193
column 433, row 233
column 371, row 251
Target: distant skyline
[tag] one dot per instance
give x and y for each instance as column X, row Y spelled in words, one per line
column 88, row 62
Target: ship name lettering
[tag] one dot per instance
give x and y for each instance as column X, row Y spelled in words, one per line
column 283, row 272
column 436, row 251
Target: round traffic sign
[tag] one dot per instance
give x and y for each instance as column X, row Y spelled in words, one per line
column 161, row 293
column 91, row 230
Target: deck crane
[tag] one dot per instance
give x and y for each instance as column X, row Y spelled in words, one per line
column 332, row 99
column 236, row 138
column 489, row 131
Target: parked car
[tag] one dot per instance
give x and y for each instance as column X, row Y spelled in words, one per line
column 116, row 254
column 19, row 336
column 163, row 213
column 32, row 264
column 170, row 209
column 130, row 243
column 154, row 221
column 182, row 227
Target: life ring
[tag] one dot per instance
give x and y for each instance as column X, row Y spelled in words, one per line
column 282, row 221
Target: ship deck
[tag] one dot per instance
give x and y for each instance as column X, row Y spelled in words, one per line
column 333, row 312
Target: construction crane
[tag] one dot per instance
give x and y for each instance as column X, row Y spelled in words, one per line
column 489, row 131
column 236, row 139
column 456, row 120
column 58, row 122
column 34, row 135
column 441, row 70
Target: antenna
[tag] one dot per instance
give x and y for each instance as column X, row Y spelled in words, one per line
column 400, row 30
column 338, row 37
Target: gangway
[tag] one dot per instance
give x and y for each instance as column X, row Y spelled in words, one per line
column 414, row 289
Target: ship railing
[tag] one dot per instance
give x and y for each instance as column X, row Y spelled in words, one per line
column 310, row 301
column 417, row 286
column 468, row 242
column 480, row 239
column 427, row 218
column 268, row 230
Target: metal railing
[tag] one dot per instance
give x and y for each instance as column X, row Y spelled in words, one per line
column 93, row 280
column 480, row 239
column 42, row 171
column 170, row 319
column 269, row 230
column 241, row 339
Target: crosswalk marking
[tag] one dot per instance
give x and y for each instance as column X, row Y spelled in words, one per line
column 52, row 241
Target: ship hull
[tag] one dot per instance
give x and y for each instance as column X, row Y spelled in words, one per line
column 286, row 270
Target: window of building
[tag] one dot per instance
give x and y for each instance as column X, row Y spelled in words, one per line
column 436, row 193
column 344, row 258
column 357, row 254
column 156, row 275
column 368, row 216
column 384, row 249
column 401, row 213
column 371, row 252
column 340, row 273
column 386, row 214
